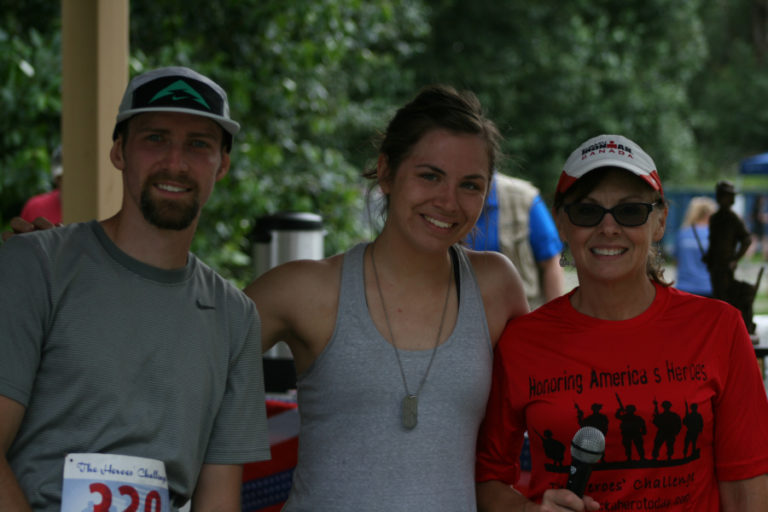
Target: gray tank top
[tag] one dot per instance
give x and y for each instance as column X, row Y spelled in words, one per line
column 354, row 454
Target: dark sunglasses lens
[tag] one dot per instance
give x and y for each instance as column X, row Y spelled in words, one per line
column 584, row 214
column 631, row 214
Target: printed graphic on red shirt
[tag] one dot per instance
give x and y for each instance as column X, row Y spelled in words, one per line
column 646, row 434
column 634, row 433
column 668, row 390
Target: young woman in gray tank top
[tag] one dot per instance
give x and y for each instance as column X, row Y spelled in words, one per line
column 393, row 340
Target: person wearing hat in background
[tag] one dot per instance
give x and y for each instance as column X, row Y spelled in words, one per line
column 729, row 240
column 625, row 337
column 48, row 204
column 758, row 217
column 117, row 341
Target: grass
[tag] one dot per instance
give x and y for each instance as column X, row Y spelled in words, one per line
column 748, row 270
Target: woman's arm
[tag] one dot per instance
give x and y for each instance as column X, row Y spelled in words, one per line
column 501, row 288
column 218, row 488
column 496, row 496
column 749, row 495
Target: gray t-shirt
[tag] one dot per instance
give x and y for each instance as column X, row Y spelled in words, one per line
column 110, row 355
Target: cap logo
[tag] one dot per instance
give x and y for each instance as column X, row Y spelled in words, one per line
column 180, row 91
column 607, row 147
column 608, row 151
column 176, row 89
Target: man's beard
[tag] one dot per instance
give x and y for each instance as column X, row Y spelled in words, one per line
column 165, row 214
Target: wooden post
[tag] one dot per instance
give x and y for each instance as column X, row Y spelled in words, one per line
column 94, row 74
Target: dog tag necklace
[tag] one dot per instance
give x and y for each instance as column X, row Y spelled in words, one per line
column 410, row 403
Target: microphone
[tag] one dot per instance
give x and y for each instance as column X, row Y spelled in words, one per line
column 587, row 447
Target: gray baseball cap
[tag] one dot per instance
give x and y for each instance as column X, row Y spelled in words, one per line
column 176, row 89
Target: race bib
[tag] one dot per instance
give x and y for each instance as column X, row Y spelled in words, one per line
column 95, row 482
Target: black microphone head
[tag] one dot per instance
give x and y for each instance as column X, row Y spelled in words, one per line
column 588, row 445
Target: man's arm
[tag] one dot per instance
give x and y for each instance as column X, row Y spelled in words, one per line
column 749, row 495
column 744, row 243
column 552, row 278
column 11, row 496
column 218, row 488
column 546, row 246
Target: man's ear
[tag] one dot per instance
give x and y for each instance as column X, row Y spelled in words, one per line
column 224, row 167
column 116, row 153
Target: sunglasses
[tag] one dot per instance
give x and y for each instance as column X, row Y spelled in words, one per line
column 588, row 215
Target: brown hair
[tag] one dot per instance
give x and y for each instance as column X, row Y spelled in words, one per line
column 435, row 107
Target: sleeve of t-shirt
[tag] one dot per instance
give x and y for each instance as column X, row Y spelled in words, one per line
column 545, row 240
column 240, row 432
column 500, row 439
column 24, row 315
column 741, row 411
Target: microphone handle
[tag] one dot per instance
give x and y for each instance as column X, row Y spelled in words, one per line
column 578, row 477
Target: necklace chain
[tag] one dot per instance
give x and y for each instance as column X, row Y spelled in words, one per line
column 392, row 336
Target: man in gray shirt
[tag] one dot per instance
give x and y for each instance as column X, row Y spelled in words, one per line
column 116, row 340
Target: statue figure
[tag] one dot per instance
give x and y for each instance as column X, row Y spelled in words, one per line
column 729, row 239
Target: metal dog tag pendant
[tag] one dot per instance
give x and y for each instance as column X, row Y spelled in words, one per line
column 410, row 411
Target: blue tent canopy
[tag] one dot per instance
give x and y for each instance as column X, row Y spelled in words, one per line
column 757, row 164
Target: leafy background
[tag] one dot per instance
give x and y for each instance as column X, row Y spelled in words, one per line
column 313, row 82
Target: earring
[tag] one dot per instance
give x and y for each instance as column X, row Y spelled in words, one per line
column 564, row 261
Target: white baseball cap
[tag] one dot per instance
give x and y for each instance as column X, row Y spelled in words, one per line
column 608, row 151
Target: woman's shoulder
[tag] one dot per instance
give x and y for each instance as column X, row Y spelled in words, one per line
column 501, row 288
column 495, row 272
column 491, row 262
column 695, row 303
column 553, row 317
column 553, row 311
column 299, row 278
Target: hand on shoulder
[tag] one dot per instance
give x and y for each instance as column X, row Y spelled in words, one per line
column 19, row 225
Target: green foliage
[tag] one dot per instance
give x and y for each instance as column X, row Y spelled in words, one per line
column 311, row 83
column 301, row 77
column 729, row 92
column 553, row 74
column 30, row 100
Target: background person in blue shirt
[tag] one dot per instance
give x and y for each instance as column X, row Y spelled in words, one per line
column 692, row 273
column 516, row 222
column 759, row 218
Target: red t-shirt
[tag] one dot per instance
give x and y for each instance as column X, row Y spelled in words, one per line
column 676, row 390
column 46, row 205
